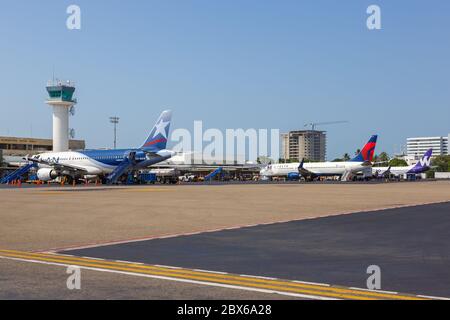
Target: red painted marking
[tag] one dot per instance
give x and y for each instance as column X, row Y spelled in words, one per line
column 154, row 142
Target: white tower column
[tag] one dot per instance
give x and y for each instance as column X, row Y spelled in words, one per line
column 60, row 128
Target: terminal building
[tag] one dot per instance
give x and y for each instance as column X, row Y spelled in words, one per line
column 13, row 149
column 304, row 144
column 416, row 147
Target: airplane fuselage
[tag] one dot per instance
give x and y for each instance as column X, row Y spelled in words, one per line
column 317, row 168
column 398, row 171
column 100, row 162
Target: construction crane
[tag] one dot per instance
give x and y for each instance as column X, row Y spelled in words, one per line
column 314, row 124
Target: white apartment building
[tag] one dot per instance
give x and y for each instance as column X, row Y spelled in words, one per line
column 416, row 147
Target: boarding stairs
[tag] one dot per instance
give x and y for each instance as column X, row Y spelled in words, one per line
column 128, row 162
column 17, row 174
column 347, row 176
column 213, row 174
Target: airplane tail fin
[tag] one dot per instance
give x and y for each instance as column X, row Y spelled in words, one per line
column 425, row 161
column 157, row 139
column 367, row 152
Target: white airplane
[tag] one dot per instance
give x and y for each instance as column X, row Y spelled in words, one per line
column 107, row 164
column 316, row 169
column 422, row 166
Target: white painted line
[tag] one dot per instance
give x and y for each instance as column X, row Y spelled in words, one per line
column 376, row 291
column 258, row 277
column 213, row 284
column 91, row 258
column 163, row 266
column 432, row 297
column 312, row 283
column 209, row 271
column 123, row 261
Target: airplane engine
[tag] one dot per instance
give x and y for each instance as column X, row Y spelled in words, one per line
column 292, row 176
column 47, row 174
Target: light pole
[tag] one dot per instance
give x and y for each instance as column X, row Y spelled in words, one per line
column 115, row 121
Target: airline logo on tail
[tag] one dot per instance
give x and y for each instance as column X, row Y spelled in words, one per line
column 426, row 159
column 157, row 139
column 367, row 151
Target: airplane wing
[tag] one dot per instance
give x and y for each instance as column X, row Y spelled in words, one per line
column 205, row 167
column 386, row 173
column 56, row 165
column 380, row 162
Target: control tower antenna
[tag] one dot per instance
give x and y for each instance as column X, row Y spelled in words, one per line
column 61, row 99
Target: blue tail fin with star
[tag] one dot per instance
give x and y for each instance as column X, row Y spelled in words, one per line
column 157, row 139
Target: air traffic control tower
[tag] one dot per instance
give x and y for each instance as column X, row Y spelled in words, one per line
column 61, row 99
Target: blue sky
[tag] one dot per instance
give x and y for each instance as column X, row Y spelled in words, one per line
column 232, row 64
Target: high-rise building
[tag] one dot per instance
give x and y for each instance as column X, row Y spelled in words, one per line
column 304, row 144
column 416, row 147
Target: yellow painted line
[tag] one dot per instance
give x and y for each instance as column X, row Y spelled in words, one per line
column 250, row 279
column 287, row 286
column 190, row 272
column 201, row 279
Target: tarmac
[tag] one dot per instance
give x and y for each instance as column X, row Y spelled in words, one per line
column 411, row 245
column 40, row 220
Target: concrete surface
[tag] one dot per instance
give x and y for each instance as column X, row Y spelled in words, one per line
column 46, row 218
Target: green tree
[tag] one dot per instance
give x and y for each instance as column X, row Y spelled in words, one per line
column 383, row 157
column 381, row 160
column 442, row 163
column 346, row 157
column 398, row 163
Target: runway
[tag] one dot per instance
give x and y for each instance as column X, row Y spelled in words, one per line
column 411, row 245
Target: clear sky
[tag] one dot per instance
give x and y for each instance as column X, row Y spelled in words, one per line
column 232, row 64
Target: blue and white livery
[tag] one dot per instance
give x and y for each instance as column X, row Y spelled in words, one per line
column 107, row 164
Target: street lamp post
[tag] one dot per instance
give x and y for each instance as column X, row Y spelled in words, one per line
column 115, row 121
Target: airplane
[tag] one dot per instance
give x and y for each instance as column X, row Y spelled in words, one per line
column 109, row 165
column 317, row 169
column 421, row 166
